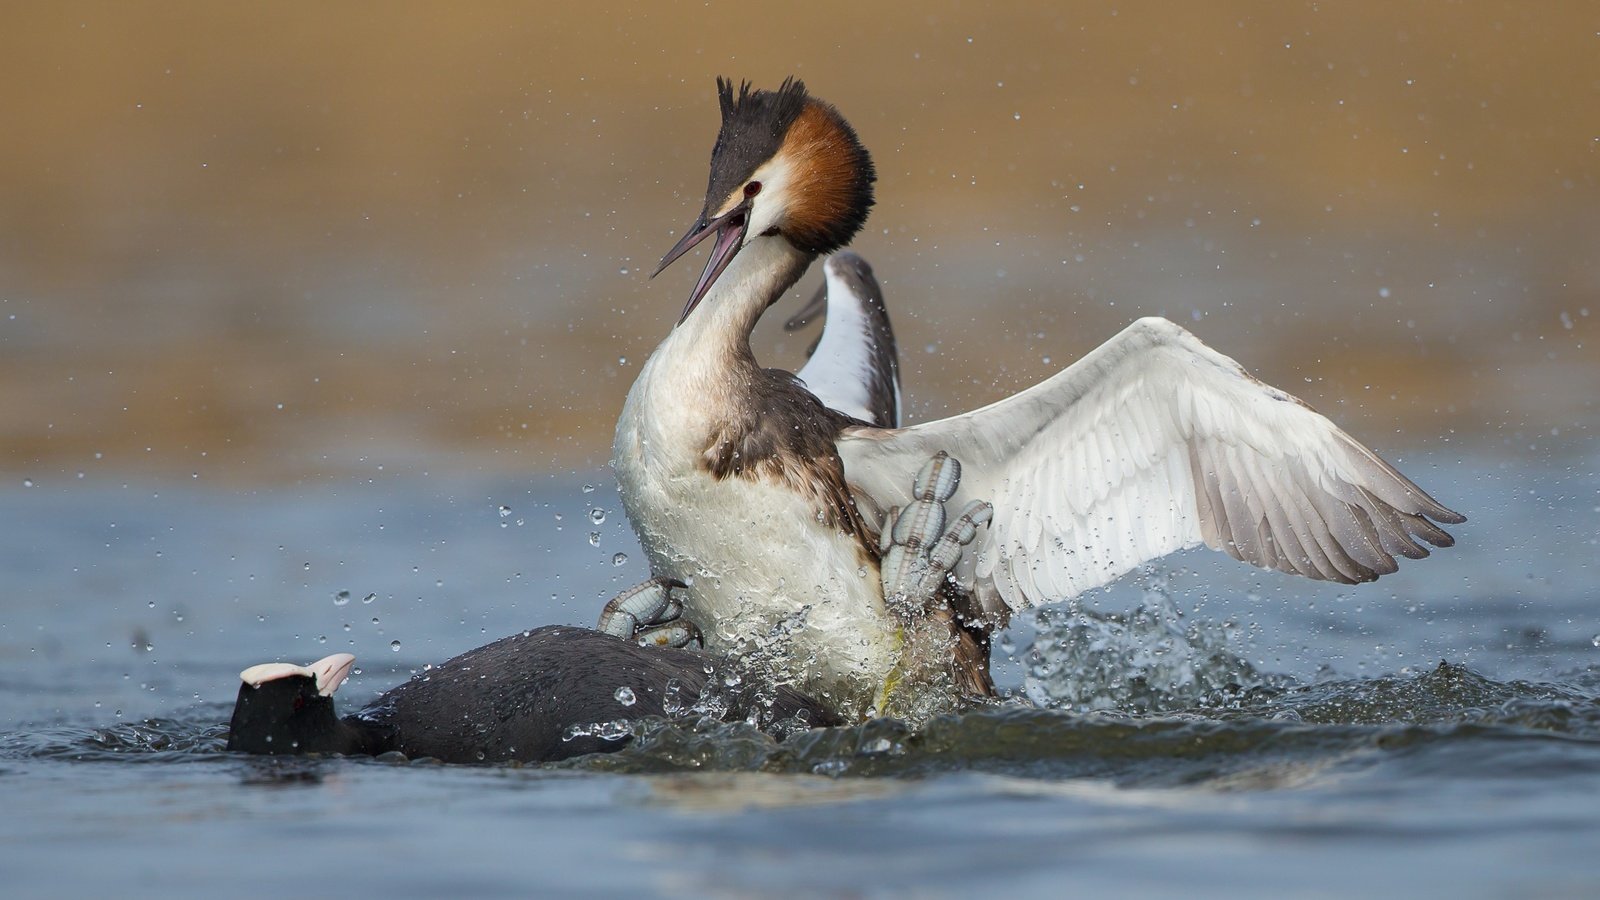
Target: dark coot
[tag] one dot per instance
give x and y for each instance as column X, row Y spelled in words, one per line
column 514, row 699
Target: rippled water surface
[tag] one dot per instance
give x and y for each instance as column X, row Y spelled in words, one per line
column 1437, row 732
column 261, row 272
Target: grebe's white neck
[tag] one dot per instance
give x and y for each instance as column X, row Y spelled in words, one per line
column 703, row 374
column 718, row 330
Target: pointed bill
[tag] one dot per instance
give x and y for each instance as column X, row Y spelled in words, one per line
column 730, row 229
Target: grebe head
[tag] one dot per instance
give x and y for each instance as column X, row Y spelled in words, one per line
column 786, row 166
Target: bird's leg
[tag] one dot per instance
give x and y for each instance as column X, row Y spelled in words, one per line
column 919, row 552
column 649, row 614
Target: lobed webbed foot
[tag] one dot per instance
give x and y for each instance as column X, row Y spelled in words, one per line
column 918, row 551
column 650, row 615
column 918, row 556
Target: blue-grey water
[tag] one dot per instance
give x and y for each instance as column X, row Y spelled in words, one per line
column 1436, row 733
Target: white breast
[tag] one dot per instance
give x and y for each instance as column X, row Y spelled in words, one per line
column 766, row 577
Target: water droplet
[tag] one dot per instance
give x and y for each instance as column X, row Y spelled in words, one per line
column 594, row 538
column 27, row 482
column 395, row 646
column 1595, row 640
column 588, row 489
column 625, row 696
column 341, row 598
column 597, row 515
column 369, row 598
column 618, row 559
column 613, row 731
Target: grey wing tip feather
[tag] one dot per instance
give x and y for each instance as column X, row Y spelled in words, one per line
column 1349, row 535
column 1381, row 471
column 1433, row 509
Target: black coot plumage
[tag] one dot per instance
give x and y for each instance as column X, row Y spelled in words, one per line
column 514, row 699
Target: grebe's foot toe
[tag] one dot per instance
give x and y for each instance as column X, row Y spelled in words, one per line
column 649, row 614
column 680, row 633
column 946, row 552
column 919, row 552
column 939, row 478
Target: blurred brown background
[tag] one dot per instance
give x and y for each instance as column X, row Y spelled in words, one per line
column 250, row 242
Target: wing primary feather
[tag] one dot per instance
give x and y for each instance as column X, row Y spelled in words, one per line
column 1349, row 523
column 1396, row 539
column 1301, row 554
column 1341, row 556
column 1428, row 531
column 1396, row 489
column 1333, row 562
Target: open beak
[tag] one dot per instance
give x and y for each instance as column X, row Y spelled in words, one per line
column 729, row 228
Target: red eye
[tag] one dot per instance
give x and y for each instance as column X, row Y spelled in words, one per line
column 752, row 189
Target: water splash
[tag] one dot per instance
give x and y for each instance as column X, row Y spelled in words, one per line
column 1270, row 737
column 1145, row 661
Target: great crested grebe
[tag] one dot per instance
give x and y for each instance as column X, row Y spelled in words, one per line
column 767, row 504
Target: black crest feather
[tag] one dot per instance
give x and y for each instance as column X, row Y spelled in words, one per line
column 753, row 125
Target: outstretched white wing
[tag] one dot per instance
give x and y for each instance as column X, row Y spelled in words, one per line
column 853, row 368
column 1151, row 443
